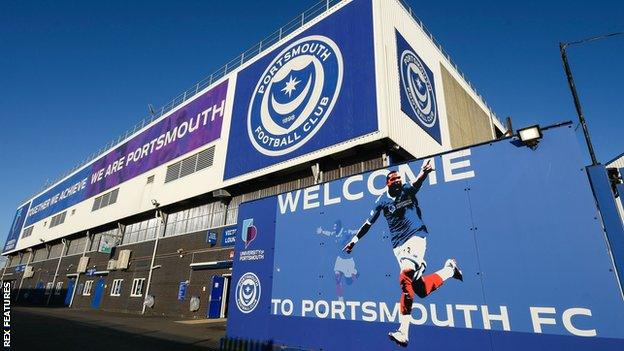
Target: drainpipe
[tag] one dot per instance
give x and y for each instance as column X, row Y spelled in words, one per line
column 22, row 280
column 58, row 265
column 159, row 220
column 84, row 252
column 6, row 265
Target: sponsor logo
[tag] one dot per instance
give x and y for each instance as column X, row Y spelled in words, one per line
column 247, row 292
column 249, row 232
column 295, row 95
column 417, row 82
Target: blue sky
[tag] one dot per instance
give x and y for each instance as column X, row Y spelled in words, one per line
column 76, row 74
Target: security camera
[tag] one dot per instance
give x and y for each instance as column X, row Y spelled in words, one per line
column 155, row 203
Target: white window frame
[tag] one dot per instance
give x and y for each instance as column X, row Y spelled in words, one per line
column 86, row 291
column 57, row 290
column 137, row 287
column 116, row 287
column 48, row 288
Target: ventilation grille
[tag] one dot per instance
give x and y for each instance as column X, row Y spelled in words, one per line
column 105, row 200
column 190, row 165
column 150, row 179
column 58, row 219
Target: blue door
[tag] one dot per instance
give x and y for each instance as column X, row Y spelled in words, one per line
column 70, row 291
column 97, row 293
column 216, row 296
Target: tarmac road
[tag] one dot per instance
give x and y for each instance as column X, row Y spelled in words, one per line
column 37, row 328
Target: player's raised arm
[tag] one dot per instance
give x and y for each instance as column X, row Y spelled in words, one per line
column 424, row 172
column 364, row 228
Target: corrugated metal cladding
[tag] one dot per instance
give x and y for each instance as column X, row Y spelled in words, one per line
column 464, row 119
column 468, row 123
column 618, row 162
column 190, row 165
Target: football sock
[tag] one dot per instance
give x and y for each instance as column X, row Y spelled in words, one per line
column 445, row 273
column 404, row 319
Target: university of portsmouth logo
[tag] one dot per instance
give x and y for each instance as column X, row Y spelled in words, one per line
column 418, row 97
column 247, row 292
column 249, row 232
column 295, row 95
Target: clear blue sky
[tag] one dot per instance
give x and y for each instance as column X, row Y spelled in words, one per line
column 75, row 74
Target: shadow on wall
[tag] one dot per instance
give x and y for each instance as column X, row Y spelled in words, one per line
column 39, row 297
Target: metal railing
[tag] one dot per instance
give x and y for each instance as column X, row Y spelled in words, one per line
column 296, row 23
column 315, row 11
column 409, row 10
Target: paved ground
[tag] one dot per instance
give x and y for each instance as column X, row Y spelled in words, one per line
column 36, row 328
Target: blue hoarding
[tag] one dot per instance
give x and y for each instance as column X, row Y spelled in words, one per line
column 16, row 228
column 518, row 223
column 314, row 91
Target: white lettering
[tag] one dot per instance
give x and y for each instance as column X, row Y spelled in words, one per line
column 538, row 320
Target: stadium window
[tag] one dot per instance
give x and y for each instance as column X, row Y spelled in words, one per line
column 27, row 232
column 105, row 200
column 87, row 288
column 197, row 219
column 76, row 246
column 96, row 203
column 116, row 287
column 137, row 287
column 58, row 219
column 140, row 231
column 59, row 286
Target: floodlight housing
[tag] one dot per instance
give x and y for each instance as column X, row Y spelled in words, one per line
column 530, row 136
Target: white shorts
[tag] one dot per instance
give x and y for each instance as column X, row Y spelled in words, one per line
column 411, row 255
column 346, row 266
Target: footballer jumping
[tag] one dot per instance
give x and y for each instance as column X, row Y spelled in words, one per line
column 409, row 242
column 344, row 267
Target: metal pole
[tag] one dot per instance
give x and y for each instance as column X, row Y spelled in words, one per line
column 6, row 265
column 159, row 219
column 58, row 265
column 22, row 280
column 577, row 102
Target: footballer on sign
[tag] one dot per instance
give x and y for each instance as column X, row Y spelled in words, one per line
column 409, row 242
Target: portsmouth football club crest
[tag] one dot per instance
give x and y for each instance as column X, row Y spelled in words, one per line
column 295, row 95
column 247, row 292
column 418, row 96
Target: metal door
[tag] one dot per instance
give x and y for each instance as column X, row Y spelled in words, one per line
column 216, row 296
column 97, row 294
column 70, row 291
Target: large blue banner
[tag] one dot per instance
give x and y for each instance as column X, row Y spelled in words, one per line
column 16, row 228
column 314, row 91
column 495, row 247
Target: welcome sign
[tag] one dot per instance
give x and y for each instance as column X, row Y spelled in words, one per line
column 521, row 286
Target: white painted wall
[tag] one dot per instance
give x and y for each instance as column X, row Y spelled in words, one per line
column 391, row 15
